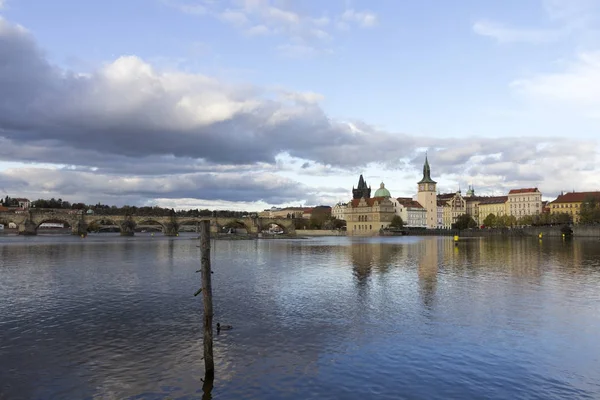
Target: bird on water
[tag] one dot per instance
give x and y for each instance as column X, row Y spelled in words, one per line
column 223, row 327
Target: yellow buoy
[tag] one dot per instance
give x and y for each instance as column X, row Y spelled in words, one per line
column 540, row 235
column 456, row 238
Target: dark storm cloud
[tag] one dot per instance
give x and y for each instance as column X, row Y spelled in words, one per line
column 244, row 187
column 129, row 109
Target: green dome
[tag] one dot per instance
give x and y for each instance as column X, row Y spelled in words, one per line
column 382, row 191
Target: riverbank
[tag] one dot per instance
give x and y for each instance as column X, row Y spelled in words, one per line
column 545, row 231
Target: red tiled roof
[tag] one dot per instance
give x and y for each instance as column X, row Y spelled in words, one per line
column 526, row 190
column 494, row 200
column 2, row 208
column 408, row 202
column 576, row 197
column 370, row 201
column 21, row 199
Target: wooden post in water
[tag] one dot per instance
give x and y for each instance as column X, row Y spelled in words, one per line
column 209, row 364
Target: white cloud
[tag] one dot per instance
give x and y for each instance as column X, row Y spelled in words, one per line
column 305, row 35
column 576, row 89
column 564, row 17
column 236, row 18
column 363, row 18
column 298, row 51
column 504, row 34
column 258, row 30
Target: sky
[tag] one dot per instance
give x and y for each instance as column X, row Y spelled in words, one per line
column 248, row 104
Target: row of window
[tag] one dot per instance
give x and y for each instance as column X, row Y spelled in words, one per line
column 521, row 199
column 565, row 205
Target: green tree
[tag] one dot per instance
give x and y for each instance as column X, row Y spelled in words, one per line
column 464, row 221
column 490, row 220
column 526, row 220
column 590, row 211
column 561, row 218
column 396, row 222
column 319, row 216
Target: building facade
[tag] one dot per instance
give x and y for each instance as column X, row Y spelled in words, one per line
column 426, row 195
column 339, row 211
column 454, row 205
column 496, row 205
column 367, row 216
column 522, row 202
column 571, row 203
column 413, row 214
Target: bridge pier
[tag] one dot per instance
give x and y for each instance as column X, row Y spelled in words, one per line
column 80, row 228
column 171, row 229
column 127, row 227
column 28, row 228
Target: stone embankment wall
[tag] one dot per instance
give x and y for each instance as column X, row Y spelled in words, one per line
column 321, row 232
column 546, row 231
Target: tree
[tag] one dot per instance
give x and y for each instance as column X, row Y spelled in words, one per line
column 396, row 222
column 590, row 211
column 319, row 216
column 526, row 220
column 464, row 221
column 561, row 218
column 490, row 220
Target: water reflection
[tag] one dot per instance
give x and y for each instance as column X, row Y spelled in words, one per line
column 111, row 317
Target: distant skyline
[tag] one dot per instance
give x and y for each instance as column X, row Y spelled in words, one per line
column 246, row 104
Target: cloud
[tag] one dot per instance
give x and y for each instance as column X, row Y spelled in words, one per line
column 576, row 88
column 304, row 35
column 130, row 109
column 504, row 34
column 365, row 19
column 566, row 17
column 233, row 187
column 128, row 132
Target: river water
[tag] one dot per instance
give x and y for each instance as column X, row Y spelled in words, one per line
column 109, row 317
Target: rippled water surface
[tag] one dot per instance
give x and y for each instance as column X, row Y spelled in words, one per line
column 330, row 318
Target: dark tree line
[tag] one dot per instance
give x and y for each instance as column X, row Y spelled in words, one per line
column 9, row 202
column 104, row 209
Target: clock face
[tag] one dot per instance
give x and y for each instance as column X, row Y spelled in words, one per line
column 421, row 187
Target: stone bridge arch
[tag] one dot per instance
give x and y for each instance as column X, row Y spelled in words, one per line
column 67, row 222
column 151, row 221
column 7, row 218
column 239, row 223
column 287, row 225
column 99, row 220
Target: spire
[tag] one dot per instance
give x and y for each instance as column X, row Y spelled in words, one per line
column 361, row 182
column 362, row 190
column 426, row 172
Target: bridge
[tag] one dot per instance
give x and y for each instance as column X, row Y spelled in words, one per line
column 28, row 222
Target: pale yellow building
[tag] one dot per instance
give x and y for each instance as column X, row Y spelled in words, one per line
column 367, row 216
column 570, row 203
column 287, row 212
column 455, row 205
column 496, row 205
column 522, row 202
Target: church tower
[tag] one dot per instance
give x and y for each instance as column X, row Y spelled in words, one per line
column 427, row 197
column 362, row 190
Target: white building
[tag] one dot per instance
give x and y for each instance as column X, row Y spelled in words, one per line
column 23, row 203
column 522, row 202
column 413, row 214
column 339, row 211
